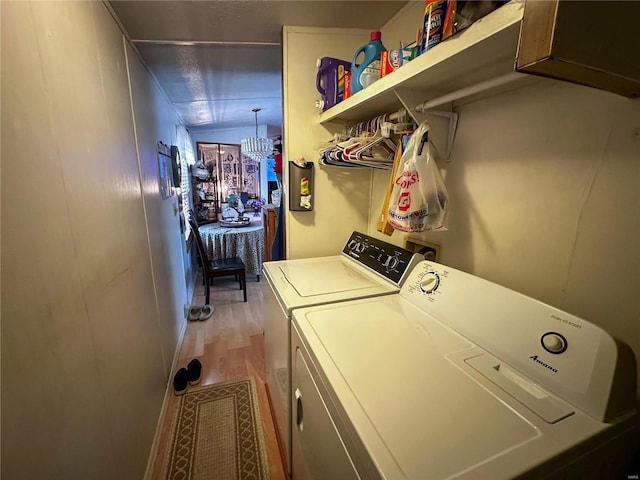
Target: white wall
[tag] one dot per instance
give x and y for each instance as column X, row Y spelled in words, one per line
column 92, row 275
column 226, row 135
column 341, row 196
column 156, row 120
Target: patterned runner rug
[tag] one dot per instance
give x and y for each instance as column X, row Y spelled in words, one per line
column 217, row 434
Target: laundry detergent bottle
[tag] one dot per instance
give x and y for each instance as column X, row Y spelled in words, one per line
column 330, row 81
column 367, row 70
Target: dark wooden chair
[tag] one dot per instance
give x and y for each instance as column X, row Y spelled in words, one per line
column 219, row 267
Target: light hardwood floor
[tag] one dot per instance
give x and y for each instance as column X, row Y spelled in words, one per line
column 230, row 345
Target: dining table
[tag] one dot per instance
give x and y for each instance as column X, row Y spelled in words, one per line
column 245, row 242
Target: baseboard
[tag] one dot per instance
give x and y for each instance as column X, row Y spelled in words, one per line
column 281, row 446
column 163, row 411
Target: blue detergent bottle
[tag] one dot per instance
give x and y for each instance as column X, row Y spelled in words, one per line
column 367, row 71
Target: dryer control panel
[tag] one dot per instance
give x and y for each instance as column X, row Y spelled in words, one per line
column 390, row 261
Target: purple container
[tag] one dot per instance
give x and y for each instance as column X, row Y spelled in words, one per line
column 330, row 81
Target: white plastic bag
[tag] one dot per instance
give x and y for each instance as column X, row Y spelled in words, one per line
column 419, row 198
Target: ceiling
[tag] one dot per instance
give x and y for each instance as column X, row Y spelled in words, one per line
column 217, row 60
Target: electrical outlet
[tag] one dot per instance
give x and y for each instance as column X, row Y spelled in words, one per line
column 186, row 310
column 430, row 250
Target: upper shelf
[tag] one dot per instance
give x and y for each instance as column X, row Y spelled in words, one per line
column 485, row 50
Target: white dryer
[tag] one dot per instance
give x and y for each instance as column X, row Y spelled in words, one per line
column 366, row 267
column 457, row 378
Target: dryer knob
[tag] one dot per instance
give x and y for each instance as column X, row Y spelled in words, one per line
column 554, row 342
column 429, row 282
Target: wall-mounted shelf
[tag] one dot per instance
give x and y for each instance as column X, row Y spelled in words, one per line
column 484, row 51
column 552, row 39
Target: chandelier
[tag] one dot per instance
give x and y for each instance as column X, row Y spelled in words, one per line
column 257, row 148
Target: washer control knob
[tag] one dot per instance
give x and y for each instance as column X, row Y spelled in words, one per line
column 429, row 282
column 391, row 262
column 554, row 342
column 360, row 247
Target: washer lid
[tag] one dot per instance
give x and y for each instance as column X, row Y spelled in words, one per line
column 316, row 281
column 330, row 276
column 413, row 409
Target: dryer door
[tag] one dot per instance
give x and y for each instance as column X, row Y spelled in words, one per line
column 318, row 452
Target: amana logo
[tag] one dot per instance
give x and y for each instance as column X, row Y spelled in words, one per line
column 545, row 365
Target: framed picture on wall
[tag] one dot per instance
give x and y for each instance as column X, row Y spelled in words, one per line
column 234, row 173
column 176, row 165
column 165, row 171
column 231, row 168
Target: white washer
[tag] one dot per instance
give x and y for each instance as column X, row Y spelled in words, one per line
column 457, row 377
column 366, row 267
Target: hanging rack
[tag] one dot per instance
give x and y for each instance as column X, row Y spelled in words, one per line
column 402, row 119
column 372, row 125
column 468, row 91
column 443, row 142
column 443, row 124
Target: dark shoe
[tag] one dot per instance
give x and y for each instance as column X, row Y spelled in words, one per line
column 194, row 371
column 181, row 381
